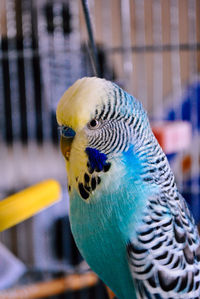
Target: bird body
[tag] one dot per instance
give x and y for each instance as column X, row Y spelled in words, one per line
column 106, row 253
column 128, row 219
column 102, row 239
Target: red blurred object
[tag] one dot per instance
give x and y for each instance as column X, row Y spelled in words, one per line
column 173, row 136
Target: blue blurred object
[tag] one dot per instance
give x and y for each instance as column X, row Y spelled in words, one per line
column 11, row 268
column 187, row 108
column 189, row 105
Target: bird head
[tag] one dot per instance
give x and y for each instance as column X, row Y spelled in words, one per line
column 99, row 122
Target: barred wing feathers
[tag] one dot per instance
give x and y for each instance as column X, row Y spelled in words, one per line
column 164, row 258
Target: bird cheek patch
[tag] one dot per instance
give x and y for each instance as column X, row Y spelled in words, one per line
column 96, row 163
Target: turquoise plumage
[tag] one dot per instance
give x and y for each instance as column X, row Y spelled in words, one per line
column 128, row 219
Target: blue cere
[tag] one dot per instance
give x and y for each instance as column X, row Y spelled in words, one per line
column 97, row 160
column 68, row 132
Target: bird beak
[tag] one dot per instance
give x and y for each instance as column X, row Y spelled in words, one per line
column 65, row 144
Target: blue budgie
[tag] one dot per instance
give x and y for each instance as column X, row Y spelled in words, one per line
column 128, row 219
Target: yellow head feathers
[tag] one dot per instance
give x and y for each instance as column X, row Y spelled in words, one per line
column 78, row 103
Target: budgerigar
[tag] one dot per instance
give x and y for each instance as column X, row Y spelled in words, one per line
column 128, row 219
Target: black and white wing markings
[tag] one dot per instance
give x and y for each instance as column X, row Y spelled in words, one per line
column 164, row 258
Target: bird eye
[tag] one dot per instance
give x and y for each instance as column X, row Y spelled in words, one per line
column 93, row 124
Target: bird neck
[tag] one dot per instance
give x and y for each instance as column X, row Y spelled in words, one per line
column 155, row 169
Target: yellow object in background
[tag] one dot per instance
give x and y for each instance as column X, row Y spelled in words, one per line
column 27, row 202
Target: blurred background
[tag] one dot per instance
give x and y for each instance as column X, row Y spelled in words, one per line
column 149, row 47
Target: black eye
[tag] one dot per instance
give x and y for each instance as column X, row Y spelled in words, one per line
column 93, row 124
